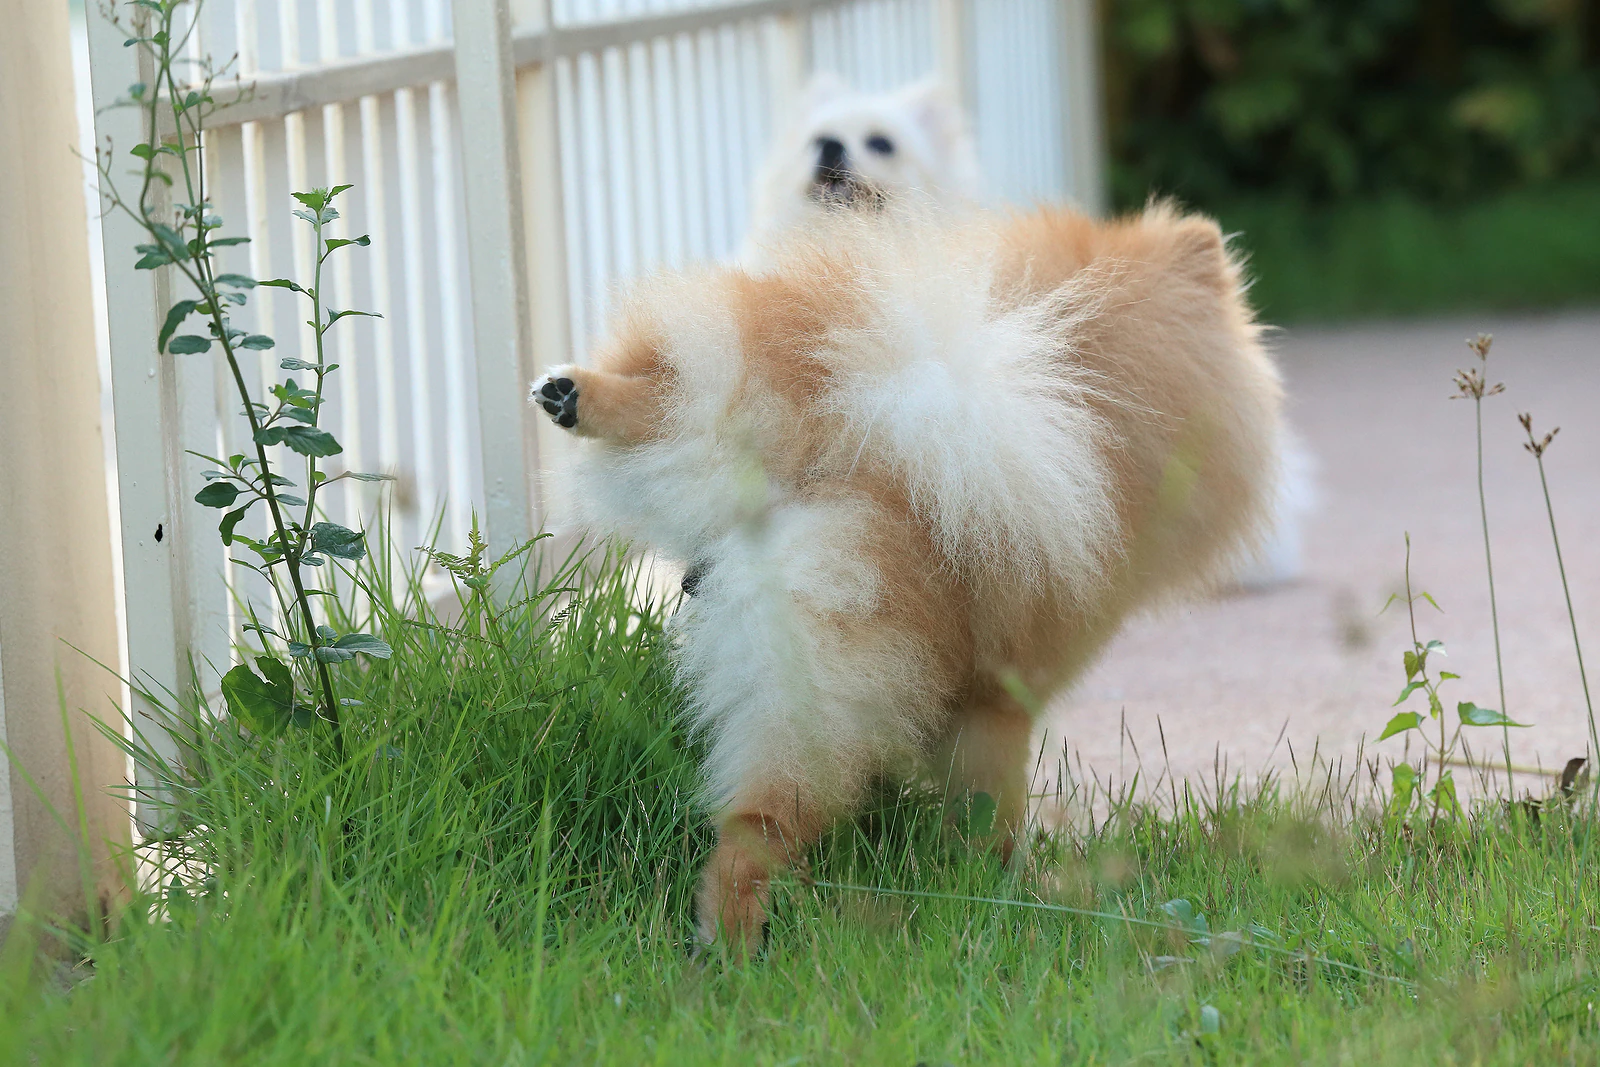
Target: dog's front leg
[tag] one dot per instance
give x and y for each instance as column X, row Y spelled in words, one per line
column 755, row 840
column 620, row 408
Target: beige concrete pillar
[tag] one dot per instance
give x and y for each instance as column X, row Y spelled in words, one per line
column 55, row 535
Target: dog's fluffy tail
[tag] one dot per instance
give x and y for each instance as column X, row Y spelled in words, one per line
column 978, row 407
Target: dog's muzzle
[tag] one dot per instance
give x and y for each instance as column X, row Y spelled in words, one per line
column 833, row 183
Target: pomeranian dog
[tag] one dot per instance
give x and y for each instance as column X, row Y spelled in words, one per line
column 852, row 149
column 848, row 149
column 919, row 472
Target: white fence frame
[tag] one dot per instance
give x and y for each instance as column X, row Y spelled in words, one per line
column 512, row 169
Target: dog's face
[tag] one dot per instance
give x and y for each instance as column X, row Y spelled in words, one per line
column 850, row 149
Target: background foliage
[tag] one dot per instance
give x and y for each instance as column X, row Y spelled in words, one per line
column 1209, row 99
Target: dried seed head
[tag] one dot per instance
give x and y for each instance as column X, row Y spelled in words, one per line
column 1536, row 445
column 1472, row 384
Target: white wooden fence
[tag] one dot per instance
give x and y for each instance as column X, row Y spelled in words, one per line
column 513, row 161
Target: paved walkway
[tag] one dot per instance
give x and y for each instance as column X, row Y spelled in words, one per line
column 1315, row 661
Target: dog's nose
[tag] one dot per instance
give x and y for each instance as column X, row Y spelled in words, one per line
column 830, row 156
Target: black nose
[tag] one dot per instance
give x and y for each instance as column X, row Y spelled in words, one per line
column 830, row 158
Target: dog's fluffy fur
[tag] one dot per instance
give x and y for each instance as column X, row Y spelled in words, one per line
column 914, row 464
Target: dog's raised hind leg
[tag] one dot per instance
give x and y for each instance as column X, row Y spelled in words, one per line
column 620, row 408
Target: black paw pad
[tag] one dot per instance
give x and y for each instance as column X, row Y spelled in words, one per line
column 559, row 398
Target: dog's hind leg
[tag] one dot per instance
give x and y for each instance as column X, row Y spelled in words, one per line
column 620, row 408
column 985, row 751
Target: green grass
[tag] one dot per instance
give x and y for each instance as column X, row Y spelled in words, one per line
column 501, row 872
column 1525, row 249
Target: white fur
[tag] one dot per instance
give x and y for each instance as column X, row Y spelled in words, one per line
column 772, row 677
column 981, row 411
column 934, row 159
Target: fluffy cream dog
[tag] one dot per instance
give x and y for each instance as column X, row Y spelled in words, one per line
column 912, row 465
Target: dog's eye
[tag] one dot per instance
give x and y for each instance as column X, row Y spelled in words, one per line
column 881, row 144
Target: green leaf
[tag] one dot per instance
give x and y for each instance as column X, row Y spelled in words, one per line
column 143, row 151
column 1411, row 687
column 1436, row 646
column 185, row 343
column 1443, row 794
column 1406, row 720
column 171, row 241
column 332, row 654
column 1445, row 676
column 175, row 316
column 238, row 281
column 368, row 477
column 299, row 649
column 217, row 495
column 306, row 440
column 1182, row 912
column 281, row 283
column 338, row 541
column 262, row 705
column 337, row 189
column 230, row 520
column 1404, row 780
column 226, row 242
column 340, row 242
column 153, row 256
column 337, row 315
column 291, row 500
column 296, row 363
column 1413, row 664
column 1472, row 715
column 314, row 200
column 368, row 645
column 257, row 341
column 302, row 213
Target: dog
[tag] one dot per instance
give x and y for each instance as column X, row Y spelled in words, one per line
column 851, row 149
column 919, row 471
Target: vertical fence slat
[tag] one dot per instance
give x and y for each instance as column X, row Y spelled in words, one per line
column 1084, row 146
column 177, row 603
column 485, row 82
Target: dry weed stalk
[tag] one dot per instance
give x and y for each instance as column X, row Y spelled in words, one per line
column 1473, row 384
column 1538, row 446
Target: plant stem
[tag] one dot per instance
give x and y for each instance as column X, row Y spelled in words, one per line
column 203, row 278
column 1494, row 611
column 1572, row 617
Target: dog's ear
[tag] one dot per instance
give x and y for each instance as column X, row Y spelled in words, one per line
column 934, row 108
column 824, row 87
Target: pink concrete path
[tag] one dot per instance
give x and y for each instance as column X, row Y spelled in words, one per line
column 1315, row 661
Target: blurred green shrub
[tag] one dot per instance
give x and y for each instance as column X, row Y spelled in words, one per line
column 1326, row 100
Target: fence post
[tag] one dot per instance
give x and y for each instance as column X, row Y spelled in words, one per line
column 57, row 594
column 172, row 565
column 1082, row 105
column 544, row 212
column 953, row 47
column 497, row 265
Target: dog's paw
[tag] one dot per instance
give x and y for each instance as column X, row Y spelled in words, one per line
column 558, row 395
